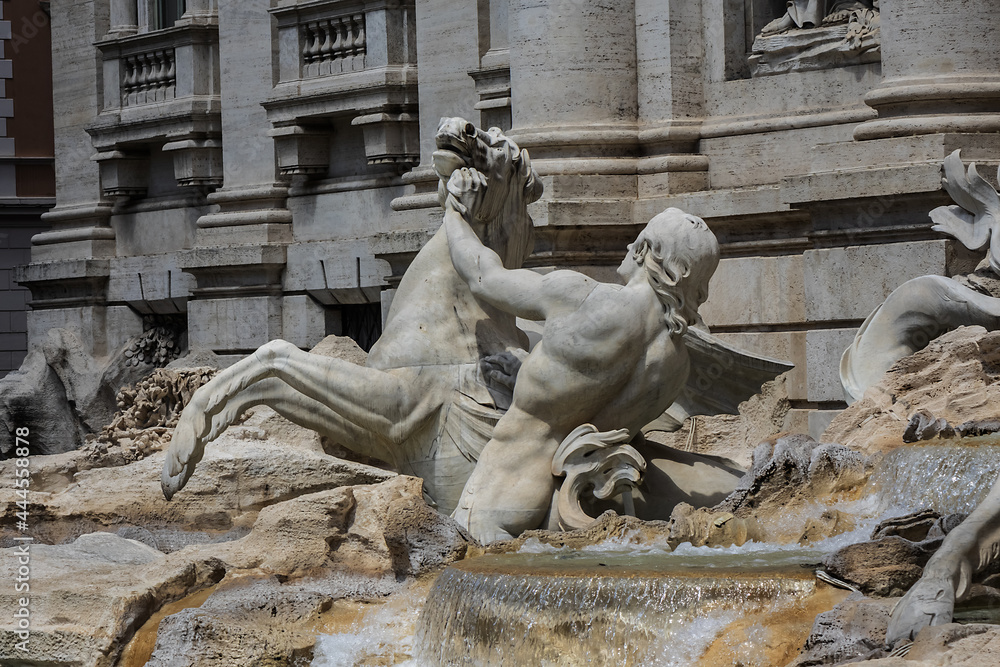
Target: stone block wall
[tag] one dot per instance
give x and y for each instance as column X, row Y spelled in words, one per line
column 305, row 205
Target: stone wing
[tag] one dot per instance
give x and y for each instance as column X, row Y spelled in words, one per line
column 721, row 376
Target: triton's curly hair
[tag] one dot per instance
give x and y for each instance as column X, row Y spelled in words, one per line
column 680, row 254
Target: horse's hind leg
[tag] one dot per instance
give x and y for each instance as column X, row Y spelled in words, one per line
column 290, row 404
column 382, row 402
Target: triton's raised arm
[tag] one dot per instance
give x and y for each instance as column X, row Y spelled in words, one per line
column 520, row 292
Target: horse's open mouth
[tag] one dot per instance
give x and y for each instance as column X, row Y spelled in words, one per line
column 449, row 156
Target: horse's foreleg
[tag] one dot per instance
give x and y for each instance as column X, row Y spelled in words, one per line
column 304, row 411
column 373, row 400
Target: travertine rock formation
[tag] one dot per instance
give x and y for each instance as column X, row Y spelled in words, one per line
column 253, row 466
column 90, row 596
column 62, row 393
column 608, row 527
column 959, row 645
column 733, row 436
column 853, row 629
column 954, row 378
column 773, row 500
column 149, row 408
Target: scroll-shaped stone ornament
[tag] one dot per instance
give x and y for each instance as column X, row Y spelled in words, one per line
column 974, row 217
column 598, row 463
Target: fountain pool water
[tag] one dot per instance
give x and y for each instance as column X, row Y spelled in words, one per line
column 596, row 608
column 623, row 604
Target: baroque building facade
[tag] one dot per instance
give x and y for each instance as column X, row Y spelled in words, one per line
column 245, row 170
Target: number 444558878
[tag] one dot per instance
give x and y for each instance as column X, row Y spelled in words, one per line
column 22, row 477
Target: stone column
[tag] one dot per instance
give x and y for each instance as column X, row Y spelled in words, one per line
column 199, row 9
column 573, row 76
column 493, row 76
column 574, row 106
column 239, row 254
column 940, row 67
column 124, row 18
column 670, row 63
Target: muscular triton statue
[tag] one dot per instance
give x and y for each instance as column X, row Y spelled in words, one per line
column 610, row 355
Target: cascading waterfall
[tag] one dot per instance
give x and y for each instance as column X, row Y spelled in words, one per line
column 944, row 477
column 594, row 609
column 622, row 605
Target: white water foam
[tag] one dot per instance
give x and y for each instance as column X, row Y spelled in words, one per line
column 382, row 636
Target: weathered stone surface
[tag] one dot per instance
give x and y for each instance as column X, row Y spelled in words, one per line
column 419, row 538
column 32, row 397
column 830, row 522
column 709, row 527
column 63, row 394
column 345, row 529
column 248, row 620
column 341, row 347
column 853, row 629
column 608, row 526
column 246, row 469
column 732, row 436
column 954, row 378
column 886, row 567
column 88, row 597
column 913, row 527
column 356, row 541
column 773, row 500
column 794, row 467
column 894, row 558
column 972, row 645
column 148, row 409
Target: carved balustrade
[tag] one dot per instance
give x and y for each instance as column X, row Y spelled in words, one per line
column 148, row 77
column 333, row 45
column 161, row 93
column 343, row 59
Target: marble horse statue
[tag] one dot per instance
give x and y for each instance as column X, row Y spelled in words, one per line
column 920, row 310
column 423, row 403
column 443, row 373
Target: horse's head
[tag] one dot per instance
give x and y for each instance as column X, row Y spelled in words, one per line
column 512, row 184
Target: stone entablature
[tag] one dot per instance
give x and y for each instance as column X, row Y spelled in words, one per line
column 351, row 59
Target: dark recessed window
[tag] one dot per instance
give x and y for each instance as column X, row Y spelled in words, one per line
column 167, row 12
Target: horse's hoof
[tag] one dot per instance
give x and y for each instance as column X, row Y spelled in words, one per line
column 928, row 602
column 171, row 484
